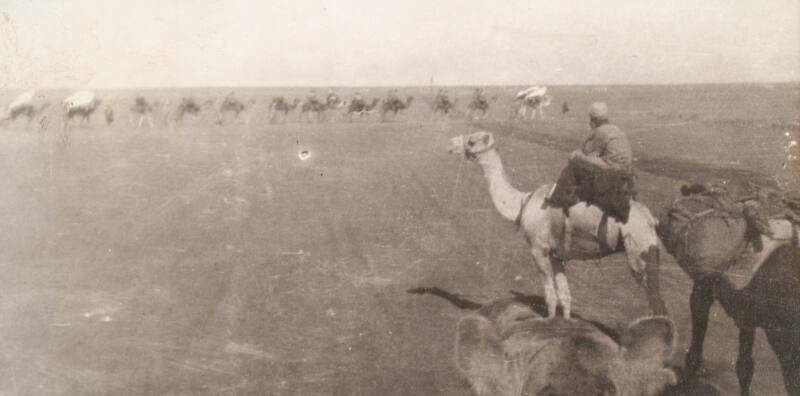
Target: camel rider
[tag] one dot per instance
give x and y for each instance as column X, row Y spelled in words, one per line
column 312, row 97
column 442, row 99
column 600, row 172
column 332, row 98
column 392, row 97
column 478, row 96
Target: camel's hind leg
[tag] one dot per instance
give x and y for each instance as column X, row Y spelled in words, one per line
column 644, row 261
column 786, row 344
column 542, row 262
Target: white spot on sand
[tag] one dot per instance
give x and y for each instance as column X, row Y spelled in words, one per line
column 304, row 155
column 247, row 349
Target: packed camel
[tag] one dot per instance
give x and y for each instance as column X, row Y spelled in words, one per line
column 530, row 101
column 24, row 106
column 748, row 263
column 80, row 103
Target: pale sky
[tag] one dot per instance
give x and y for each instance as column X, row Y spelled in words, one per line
column 146, row 43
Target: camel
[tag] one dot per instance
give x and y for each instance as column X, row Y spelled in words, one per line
column 442, row 104
column 507, row 349
column 360, row 107
column 232, row 105
column 593, row 233
column 478, row 104
column 393, row 105
column 144, row 110
column 109, row 114
column 312, row 105
column 82, row 103
column 23, row 105
column 533, row 99
column 757, row 287
column 187, row 106
column 279, row 104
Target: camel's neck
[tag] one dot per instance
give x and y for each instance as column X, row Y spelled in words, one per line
column 506, row 198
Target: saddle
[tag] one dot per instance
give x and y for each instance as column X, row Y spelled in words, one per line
column 609, row 190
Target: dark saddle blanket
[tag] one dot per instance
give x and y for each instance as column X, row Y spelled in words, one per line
column 611, row 191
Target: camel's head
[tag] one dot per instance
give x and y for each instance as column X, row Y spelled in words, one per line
column 472, row 145
column 507, row 349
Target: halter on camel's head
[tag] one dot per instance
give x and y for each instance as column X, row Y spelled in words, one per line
column 472, row 145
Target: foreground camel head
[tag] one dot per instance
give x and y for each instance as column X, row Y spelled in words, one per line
column 471, row 146
column 506, row 349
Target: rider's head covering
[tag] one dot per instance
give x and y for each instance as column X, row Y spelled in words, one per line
column 598, row 110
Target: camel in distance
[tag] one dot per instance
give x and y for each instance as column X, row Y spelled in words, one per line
column 280, row 105
column 80, row 103
column 393, row 104
column 361, row 108
column 24, row 106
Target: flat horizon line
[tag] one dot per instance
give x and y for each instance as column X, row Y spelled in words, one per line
column 234, row 86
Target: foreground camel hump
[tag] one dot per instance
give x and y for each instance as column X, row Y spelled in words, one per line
column 595, row 234
column 506, row 349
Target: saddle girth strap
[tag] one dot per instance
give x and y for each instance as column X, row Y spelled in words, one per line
column 525, row 200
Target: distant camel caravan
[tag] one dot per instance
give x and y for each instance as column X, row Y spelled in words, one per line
column 144, row 110
column 234, row 106
column 478, row 105
column 313, row 106
column 188, row 105
column 80, row 103
column 394, row 105
column 595, row 234
column 530, row 101
column 442, row 104
column 361, row 108
column 756, row 278
column 507, row 349
column 280, row 105
column 24, row 105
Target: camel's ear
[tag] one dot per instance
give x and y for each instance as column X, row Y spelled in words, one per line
column 488, row 139
column 649, row 341
column 479, row 355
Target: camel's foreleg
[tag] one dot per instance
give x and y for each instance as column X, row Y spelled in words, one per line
column 545, row 267
column 700, row 304
column 744, row 362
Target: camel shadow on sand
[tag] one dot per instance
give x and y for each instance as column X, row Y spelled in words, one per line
column 538, row 305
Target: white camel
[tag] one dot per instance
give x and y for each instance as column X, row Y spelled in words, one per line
column 593, row 233
column 533, row 100
column 82, row 103
column 23, row 105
